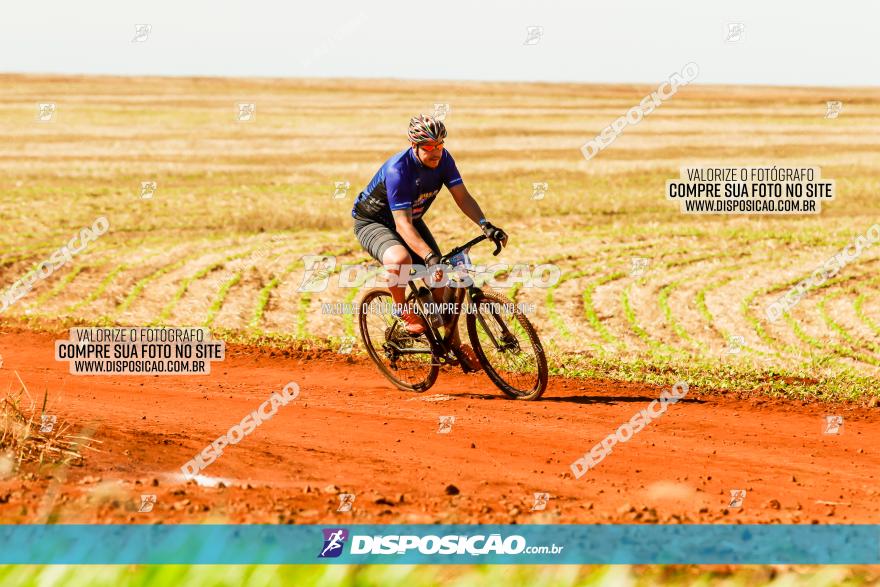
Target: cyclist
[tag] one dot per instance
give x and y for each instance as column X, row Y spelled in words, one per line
column 388, row 214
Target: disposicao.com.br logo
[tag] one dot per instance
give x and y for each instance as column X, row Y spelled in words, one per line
column 334, row 541
column 394, row 544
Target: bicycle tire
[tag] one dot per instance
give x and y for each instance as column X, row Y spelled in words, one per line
column 380, row 359
column 541, row 370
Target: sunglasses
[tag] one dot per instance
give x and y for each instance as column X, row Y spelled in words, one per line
column 431, row 146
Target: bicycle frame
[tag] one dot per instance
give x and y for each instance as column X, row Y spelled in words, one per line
column 441, row 345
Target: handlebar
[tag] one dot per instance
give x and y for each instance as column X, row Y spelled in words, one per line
column 445, row 258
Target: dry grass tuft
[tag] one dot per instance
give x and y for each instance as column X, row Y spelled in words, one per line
column 24, row 439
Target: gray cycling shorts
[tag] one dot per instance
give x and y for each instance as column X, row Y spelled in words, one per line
column 376, row 238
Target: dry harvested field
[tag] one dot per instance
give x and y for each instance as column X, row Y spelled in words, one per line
column 238, row 204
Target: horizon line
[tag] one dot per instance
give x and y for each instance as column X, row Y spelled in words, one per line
column 424, row 80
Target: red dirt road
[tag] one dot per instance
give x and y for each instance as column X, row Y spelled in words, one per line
column 349, row 428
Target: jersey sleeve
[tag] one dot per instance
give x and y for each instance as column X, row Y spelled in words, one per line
column 401, row 193
column 449, row 172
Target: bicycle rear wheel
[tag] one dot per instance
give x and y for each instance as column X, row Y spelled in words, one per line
column 508, row 346
column 407, row 361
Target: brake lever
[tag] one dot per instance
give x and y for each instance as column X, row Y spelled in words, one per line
column 497, row 248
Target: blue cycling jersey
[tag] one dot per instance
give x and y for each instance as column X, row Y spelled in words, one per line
column 404, row 182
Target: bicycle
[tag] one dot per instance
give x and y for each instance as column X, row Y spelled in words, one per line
column 503, row 339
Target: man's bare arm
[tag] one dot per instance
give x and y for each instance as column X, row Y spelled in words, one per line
column 403, row 222
column 469, row 206
column 466, row 202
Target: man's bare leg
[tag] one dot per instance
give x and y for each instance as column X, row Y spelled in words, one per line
column 393, row 259
column 397, row 257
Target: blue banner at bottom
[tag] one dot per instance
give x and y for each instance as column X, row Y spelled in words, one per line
column 436, row 544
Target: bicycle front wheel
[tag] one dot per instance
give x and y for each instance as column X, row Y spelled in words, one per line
column 507, row 346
